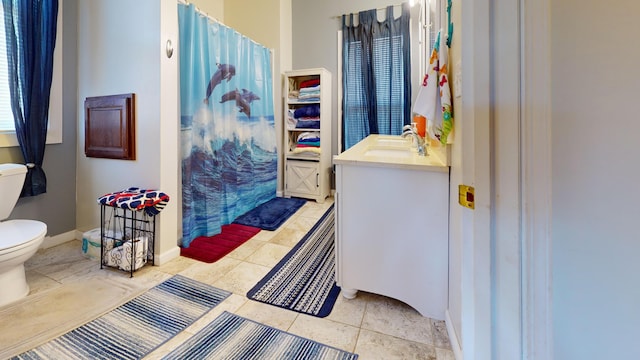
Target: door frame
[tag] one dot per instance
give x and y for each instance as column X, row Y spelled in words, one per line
column 496, row 244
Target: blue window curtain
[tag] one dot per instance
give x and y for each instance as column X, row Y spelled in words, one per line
column 376, row 75
column 30, row 28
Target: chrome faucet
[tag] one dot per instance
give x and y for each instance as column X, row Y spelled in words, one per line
column 419, row 141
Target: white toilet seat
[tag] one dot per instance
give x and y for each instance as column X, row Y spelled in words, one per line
column 16, row 234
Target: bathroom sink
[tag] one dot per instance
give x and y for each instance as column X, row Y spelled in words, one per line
column 392, row 141
column 389, row 152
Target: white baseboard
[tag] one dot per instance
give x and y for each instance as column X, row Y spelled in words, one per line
column 51, row 241
column 280, row 193
column 161, row 259
column 453, row 338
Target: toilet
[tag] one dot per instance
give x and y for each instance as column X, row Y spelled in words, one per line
column 19, row 239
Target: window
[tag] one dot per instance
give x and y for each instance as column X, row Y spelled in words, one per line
column 6, row 117
column 376, row 79
column 7, row 129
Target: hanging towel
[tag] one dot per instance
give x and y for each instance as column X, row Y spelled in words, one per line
column 434, row 97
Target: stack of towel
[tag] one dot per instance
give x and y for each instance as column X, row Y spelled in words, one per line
column 309, row 91
column 305, row 117
column 307, row 142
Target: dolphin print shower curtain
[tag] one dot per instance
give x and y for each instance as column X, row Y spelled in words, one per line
column 229, row 156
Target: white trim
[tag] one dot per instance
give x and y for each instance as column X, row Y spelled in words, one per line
column 476, row 311
column 453, row 337
column 506, row 181
column 339, row 93
column 536, row 180
column 51, row 241
column 161, row 259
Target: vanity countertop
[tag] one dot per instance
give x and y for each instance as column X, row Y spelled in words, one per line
column 389, row 151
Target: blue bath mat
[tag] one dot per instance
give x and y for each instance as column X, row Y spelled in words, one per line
column 304, row 280
column 272, row 214
column 230, row 336
column 137, row 327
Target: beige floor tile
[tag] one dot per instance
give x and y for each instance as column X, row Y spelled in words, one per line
column 376, row 346
column 440, row 335
column 267, row 314
column 288, row 237
column 246, row 249
column 210, row 273
column 38, row 282
column 268, row 255
column 314, row 211
column 392, row 317
column 444, row 354
column 325, row 331
column 348, row 311
column 241, row 278
column 66, row 252
column 178, row 265
column 264, row 235
column 303, row 224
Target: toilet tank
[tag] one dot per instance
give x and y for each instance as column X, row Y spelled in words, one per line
column 11, row 182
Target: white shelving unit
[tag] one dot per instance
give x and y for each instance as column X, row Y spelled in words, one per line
column 307, row 173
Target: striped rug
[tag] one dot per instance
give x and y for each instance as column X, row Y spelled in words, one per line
column 304, row 280
column 233, row 337
column 137, row 327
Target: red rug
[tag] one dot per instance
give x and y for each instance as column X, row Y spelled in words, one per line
column 212, row 248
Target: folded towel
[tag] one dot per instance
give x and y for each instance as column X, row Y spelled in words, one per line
column 309, row 135
column 310, row 150
column 308, row 124
column 308, row 144
column 307, row 110
column 310, row 89
column 310, row 83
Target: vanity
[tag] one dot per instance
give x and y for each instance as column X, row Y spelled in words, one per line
column 392, row 223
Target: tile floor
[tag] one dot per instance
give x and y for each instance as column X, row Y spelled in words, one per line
column 69, row 289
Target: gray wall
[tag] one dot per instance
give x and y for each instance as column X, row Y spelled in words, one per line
column 595, row 88
column 57, row 207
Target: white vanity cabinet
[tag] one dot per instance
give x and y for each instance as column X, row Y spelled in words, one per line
column 392, row 227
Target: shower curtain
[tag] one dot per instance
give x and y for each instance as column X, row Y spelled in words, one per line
column 229, row 154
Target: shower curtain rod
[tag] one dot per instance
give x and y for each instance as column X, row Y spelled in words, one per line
column 205, row 14
column 356, row 14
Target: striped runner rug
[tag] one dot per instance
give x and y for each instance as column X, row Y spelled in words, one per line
column 137, row 327
column 304, row 280
column 233, row 337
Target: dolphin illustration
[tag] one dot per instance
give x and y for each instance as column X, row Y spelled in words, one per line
column 225, row 71
column 243, row 106
column 249, row 96
column 231, row 95
column 246, row 95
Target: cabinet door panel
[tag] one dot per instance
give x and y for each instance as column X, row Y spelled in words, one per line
column 302, row 177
